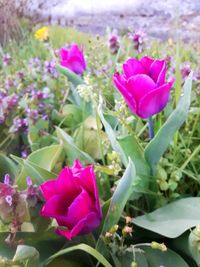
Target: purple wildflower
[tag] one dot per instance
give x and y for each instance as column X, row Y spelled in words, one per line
column 7, row 59
column 138, row 38
column 113, row 42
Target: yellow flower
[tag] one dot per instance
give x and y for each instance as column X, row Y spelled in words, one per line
column 42, row 34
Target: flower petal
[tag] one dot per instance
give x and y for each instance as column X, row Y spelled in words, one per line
column 86, row 225
column 56, row 206
column 48, row 189
column 74, row 64
column 139, row 85
column 155, row 101
column 80, row 208
column 121, row 85
column 146, row 62
column 158, row 71
column 88, row 181
column 133, row 67
column 66, row 184
column 63, row 54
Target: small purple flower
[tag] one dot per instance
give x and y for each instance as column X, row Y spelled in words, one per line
column 19, row 124
column 20, row 75
column 113, row 42
column 138, row 38
column 32, row 114
column 24, row 154
column 7, row 59
column 9, row 200
column 9, row 83
column 7, row 179
column 50, row 67
column 185, row 70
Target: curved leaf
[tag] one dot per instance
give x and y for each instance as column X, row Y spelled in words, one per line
column 173, row 219
column 168, row 258
column 121, row 195
column 158, row 145
column 82, row 247
column 71, row 150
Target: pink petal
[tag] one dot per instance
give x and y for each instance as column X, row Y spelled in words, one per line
column 146, row 62
column 158, row 71
column 56, row 206
column 121, row 85
column 75, row 64
column 66, row 184
column 63, row 54
column 84, row 226
column 88, row 182
column 139, row 85
column 80, row 208
column 133, row 67
column 155, row 101
column 48, row 189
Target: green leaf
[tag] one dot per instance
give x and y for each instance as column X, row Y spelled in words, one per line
column 111, row 135
column 132, row 149
column 27, row 255
column 37, row 174
column 46, row 157
column 121, row 195
column 74, row 78
column 173, row 219
column 7, row 166
column 158, row 145
column 71, row 150
column 82, row 247
column 158, row 258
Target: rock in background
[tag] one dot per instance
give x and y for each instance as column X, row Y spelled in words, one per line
column 163, row 19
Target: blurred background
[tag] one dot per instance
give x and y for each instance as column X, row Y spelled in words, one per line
column 162, row 19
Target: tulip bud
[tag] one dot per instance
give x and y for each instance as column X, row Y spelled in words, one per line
column 134, row 264
column 159, row 246
column 114, row 229
column 127, row 231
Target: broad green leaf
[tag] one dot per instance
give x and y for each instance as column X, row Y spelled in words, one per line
column 158, row 145
column 71, row 150
column 82, row 247
column 133, row 150
column 37, row 174
column 7, row 166
column 46, row 157
column 27, row 254
column 169, row 258
column 173, row 219
column 121, row 195
column 111, row 135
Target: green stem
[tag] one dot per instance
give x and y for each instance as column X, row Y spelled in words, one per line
column 151, row 131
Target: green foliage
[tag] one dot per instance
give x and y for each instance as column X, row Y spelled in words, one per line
column 173, row 219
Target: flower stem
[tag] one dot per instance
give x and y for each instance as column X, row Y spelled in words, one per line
column 151, row 131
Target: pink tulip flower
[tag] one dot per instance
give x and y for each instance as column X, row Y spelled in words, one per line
column 73, row 59
column 143, row 85
column 72, row 199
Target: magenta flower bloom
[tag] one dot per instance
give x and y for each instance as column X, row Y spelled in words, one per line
column 73, row 59
column 143, row 85
column 72, row 199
